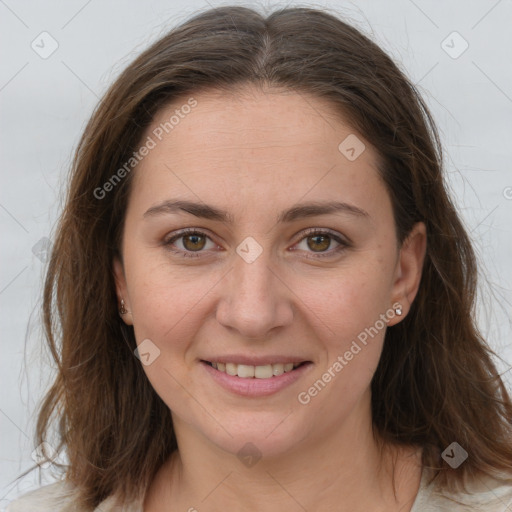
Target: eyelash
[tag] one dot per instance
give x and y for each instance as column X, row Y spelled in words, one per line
column 308, row 233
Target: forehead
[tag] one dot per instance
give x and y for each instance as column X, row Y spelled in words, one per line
column 251, row 119
column 278, row 142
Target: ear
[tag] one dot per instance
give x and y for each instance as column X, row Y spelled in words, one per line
column 409, row 269
column 122, row 290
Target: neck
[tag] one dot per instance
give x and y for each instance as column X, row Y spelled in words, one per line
column 343, row 470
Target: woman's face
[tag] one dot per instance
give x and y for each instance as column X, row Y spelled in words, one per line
column 255, row 286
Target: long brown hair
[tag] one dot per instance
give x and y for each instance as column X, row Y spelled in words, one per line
column 436, row 381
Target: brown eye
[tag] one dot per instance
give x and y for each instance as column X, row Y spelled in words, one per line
column 194, row 242
column 189, row 243
column 319, row 242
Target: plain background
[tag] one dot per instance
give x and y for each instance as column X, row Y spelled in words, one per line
column 45, row 103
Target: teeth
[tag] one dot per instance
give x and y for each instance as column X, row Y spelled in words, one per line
column 278, row 369
column 231, row 369
column 263, row 372
column 259, row 372
column 246, row 371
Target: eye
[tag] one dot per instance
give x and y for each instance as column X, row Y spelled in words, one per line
column 193, row 242
column 319, row 240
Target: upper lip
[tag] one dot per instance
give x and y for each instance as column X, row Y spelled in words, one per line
column 255, row 360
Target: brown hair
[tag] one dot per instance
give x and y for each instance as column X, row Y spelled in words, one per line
column 435, row 383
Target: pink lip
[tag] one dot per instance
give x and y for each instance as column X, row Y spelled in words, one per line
column 252, row 387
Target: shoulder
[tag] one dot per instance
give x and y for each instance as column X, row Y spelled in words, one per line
column 60, row 497
column 57, row 497
column 484, row 494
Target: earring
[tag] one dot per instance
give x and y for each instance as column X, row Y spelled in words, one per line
column 398, row 310
column 122, row 310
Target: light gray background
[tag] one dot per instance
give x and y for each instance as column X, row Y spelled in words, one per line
column 45, row 103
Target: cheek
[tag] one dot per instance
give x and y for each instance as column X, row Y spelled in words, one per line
column 351, row 300
column 168, row 309
column 352, row 339
column 351, row 310
column 165, row 300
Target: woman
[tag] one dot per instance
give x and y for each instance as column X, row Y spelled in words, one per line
column 263, row 290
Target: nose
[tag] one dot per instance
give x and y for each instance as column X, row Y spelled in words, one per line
column 255, row 299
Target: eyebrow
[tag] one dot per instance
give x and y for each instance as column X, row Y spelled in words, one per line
column 299, row 211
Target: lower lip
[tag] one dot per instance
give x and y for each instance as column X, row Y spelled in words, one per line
column 256, row 387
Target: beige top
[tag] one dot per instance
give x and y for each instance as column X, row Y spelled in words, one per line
column 486, row 495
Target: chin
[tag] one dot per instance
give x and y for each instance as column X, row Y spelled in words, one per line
column 257, row 434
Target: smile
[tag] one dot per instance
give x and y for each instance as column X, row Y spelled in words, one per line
column 255, row 380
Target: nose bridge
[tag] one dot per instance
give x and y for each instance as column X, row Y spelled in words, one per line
column 254, row 302
column 253, row 279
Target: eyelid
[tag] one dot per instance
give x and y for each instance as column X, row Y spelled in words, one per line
column 334, row 234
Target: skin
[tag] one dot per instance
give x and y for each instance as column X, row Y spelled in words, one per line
column 254, row 154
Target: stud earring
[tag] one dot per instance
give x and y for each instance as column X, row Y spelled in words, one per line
column 122, row 310
column 398, row 310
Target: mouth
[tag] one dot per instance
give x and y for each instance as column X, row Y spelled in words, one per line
column 245, row 371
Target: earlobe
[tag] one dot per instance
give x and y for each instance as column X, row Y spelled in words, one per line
column 121, row 292
column 410, row 267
